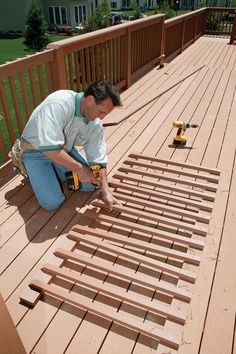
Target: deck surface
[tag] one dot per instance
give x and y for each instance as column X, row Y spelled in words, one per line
column 30, row 235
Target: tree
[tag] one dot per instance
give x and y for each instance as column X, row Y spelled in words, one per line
column 36, row 37
column 137, row 10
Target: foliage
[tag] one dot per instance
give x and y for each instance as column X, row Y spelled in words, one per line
column 164, row 7
column 137, row 10
column 36, row 37
column 99, row 20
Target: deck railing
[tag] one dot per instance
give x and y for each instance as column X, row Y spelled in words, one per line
column 118, row 54
column 219, row 20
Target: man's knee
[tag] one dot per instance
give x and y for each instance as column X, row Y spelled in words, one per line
column 52, row 204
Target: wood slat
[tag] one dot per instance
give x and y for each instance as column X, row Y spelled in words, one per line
column 129, row 241
column 127, row 274
column 159, row 195
column 120, row 318
column 163, row 208
column 199, row 230
column 163, row 167
column 181, row 273
column 213, row 171
column 111, row 291
column 159, row 176
column 192, row 242
column 172, row 187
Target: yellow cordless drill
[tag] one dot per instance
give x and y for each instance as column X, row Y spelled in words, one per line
column 180, row 138
column 72, row 179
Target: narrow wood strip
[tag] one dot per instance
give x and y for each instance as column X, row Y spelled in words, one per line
column 77, row 71
column 120, row 294
column 176, row 171
column 199, row 230
column 129, row 241
column 88, row 71
column 33, row 87
column 160, row 176
column 161, row 195
column 127, row 274
column 16, row 103
column 6, row 112
column 49, row 77
column 193, row 242
column 92, row 56
column 41, row 82
column 82, row 68
column 71, row 70
column 120, row 318
column 181, row 273
column 170, row 187
column 213, row 171
column 166, row 208
column 24, row 95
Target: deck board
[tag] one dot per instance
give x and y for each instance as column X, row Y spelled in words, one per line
column 30, row 235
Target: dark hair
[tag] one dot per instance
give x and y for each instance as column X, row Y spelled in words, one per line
column 101, row 90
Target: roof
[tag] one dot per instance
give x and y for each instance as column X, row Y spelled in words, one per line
column 31, row 235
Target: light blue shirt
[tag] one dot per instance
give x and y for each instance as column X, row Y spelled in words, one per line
column 57, row 123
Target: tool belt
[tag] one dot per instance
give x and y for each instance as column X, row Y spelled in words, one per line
column 19, row 147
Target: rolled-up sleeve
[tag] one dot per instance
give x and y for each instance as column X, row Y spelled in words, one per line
column 51, row 120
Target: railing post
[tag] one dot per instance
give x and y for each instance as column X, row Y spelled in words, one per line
column 58, row 68
column 183, row 34
column 233, row 33
column 196, row 25
column 129, row 57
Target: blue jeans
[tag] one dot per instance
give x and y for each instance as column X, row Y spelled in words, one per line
column 46, row 176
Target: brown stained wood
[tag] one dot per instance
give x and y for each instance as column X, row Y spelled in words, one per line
column 213, row 171
column 207, row 100
column 25, row 94
column 208, row 187
column 10, row 341
column 71, row 71
column 192, row 242
column 109, row 290
column 127, row 274
column 41, row 82
column 82, row 69
column 33, row 87
column 181, row 273
column 49, row 78
column 88, row 67
column 159, row 195
column 163, row 208
column 93, row 61
column 117, row 117
column 77, row 72
column 129, row 241
column 199, row 230
column 6, row 113
column 171, row 187
column 117, row 317
column 16, row 104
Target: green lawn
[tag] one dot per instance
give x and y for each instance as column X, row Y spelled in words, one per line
column 11, row 49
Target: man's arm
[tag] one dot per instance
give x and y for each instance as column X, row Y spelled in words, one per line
column 61, row 157
column 107, row 196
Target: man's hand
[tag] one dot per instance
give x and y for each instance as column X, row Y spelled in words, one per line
column 109, row 200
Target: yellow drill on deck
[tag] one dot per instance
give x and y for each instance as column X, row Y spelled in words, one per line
column 180, row 138
column 72, row 179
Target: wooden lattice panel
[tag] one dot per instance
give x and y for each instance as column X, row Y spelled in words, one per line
column 137, row 266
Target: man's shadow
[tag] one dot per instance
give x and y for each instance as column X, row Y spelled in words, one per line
column 23, row 214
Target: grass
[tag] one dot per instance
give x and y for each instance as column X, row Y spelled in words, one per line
column 14, row 48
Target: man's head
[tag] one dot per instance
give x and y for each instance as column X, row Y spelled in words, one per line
column 99, row 100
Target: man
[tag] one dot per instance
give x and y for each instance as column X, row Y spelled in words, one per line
column 66, row 119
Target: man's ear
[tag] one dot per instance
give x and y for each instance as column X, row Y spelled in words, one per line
column 90, row 99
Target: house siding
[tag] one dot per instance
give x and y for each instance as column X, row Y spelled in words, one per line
column 13, row 14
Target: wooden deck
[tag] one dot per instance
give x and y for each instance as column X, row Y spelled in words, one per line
column 29, row 235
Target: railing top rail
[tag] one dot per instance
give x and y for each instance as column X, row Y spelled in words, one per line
column 180, row 18
column 220, row 9
column 105, row 33
column 21, row 64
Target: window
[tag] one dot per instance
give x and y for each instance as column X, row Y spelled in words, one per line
column 80, row 13
column 114, row 5
column 92, row 9
column 57, row 15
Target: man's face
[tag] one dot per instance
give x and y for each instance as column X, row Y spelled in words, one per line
column 93, row 110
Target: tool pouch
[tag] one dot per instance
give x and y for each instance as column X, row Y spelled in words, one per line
column 16, row 153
